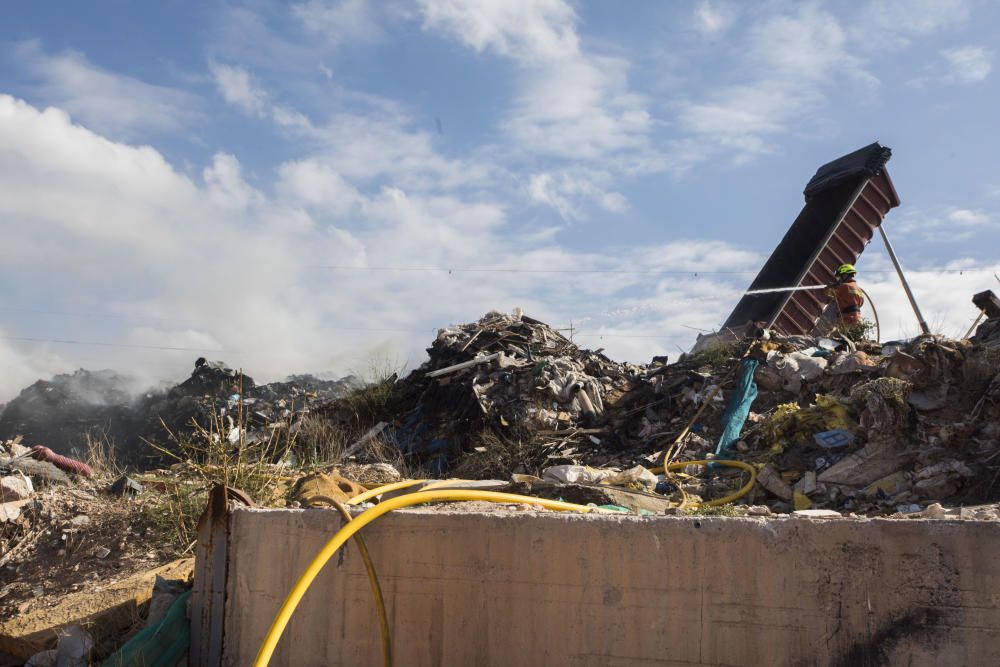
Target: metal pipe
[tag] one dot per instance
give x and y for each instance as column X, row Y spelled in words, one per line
column 902, row 279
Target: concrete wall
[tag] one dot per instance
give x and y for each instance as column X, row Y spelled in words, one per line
column 527, row 588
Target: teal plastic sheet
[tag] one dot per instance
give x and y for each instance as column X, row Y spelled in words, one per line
column 738, row 409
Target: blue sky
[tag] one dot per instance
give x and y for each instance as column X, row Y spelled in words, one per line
column 287, row 186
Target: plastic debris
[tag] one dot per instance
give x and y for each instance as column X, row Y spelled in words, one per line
column 125, row 485
column 838, row 437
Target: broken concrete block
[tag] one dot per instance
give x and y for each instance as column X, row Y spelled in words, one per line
column 769, row 478
column 320, row 488
column 11, row 510
column 940, row 486
column 932, row 511
column 806, row 485
column 16, row 487
column 863, row 467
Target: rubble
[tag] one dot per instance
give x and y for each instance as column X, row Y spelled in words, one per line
column 64, row 415
column 16, row 487
column 827, row 423
column 908, row 429
column 833, row 425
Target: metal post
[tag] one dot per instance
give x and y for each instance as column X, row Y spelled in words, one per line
column 902, row 279
column 972, row 328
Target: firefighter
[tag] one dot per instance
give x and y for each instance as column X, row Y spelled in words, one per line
column 847, row 296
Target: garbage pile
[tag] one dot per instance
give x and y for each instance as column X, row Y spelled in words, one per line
column 70, row 411
column 826, row 423
column 515, row 380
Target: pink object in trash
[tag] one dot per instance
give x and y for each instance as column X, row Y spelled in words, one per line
column 64, row 463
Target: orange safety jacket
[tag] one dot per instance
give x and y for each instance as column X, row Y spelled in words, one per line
column 849, row 301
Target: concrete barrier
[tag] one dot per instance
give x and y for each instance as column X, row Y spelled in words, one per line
column 539, row 588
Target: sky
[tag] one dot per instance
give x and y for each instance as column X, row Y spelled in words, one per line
column 319, row 186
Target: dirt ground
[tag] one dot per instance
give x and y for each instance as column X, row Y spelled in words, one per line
column 75, row 538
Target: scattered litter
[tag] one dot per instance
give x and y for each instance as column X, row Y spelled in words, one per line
column 836, row 438
column 125, row 485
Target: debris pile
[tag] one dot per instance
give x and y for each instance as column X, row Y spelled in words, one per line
column 516, row 378
column 827, row 423
column 70, row 411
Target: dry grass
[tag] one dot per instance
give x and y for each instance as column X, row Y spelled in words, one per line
column 384, row 449
column 318, row 441
column 494, row 457
column 221, row 453
column 102, row 456
column 217, row 454
column 719, row 354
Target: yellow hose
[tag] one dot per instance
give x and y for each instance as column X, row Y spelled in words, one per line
column 378, row 491
column 366, row 517
column 383, row 618
column 878, row 328
column 736, row 495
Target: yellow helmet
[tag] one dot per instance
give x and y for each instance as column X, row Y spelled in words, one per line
column 846, row 270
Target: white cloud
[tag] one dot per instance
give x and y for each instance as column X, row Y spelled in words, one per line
column 526, row 30
column 315, row 183
column 943, row 292
column 964, row 216
column 237, row 88
column 361, row 138
column 571, row 103
column 111, row 103
column 713, row 19
column 787, row 63
column 568, row 192
column 338, row 21
column 968, row 64
column 894, row 24
column 230, row 270
column 943, row 225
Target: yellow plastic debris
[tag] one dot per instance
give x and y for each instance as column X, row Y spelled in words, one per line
column 791, row 424
column 320, row 488
column 890, row 485
column 800, row 501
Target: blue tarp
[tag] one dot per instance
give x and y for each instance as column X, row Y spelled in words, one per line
column 738, row 409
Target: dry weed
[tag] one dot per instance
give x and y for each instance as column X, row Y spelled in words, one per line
column 102, row 456
column 494, row 456
column 219, row 453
